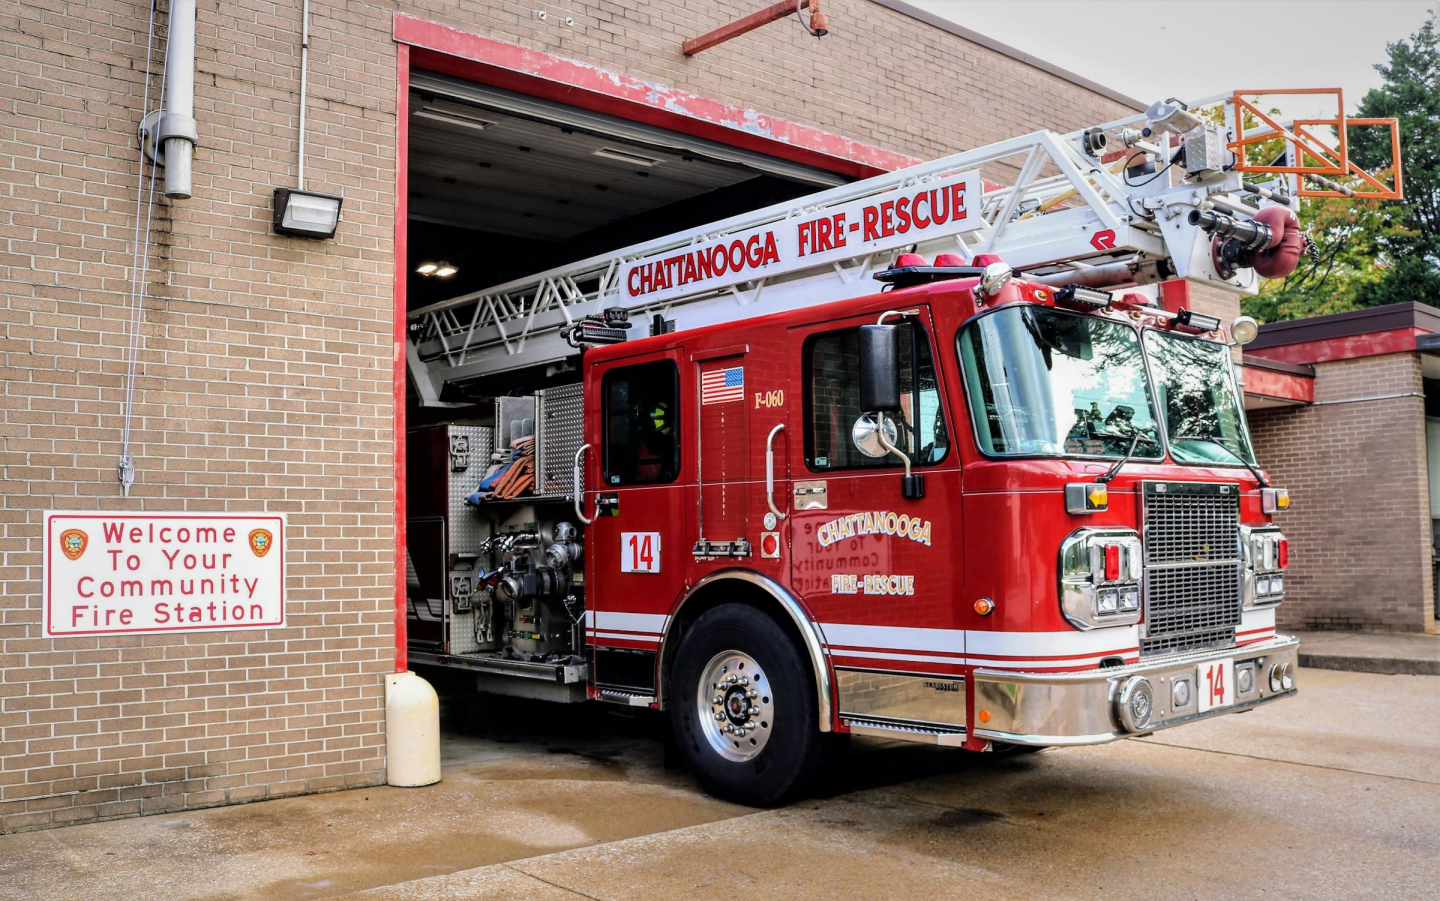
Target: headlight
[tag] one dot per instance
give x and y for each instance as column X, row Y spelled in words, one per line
column 1100, row 577
column 1267, row 553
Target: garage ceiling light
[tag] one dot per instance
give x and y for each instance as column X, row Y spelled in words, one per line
column 439, row 269
column 453, row 114
column 625, row 156
column 305, row 213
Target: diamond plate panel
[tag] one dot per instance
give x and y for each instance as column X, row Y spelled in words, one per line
column 560, row 430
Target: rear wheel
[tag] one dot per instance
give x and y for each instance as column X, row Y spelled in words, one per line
column 742, row 703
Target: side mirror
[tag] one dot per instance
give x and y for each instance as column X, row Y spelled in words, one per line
column 879, row 369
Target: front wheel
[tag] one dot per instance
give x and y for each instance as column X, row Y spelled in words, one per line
column 742, row 703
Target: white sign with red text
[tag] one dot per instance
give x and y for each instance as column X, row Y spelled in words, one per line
column 894, row 219
column 145, row 573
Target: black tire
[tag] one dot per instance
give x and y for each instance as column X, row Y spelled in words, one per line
column 792, row 753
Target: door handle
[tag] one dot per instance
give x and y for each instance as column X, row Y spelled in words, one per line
column 770, row 471
column 579, row 490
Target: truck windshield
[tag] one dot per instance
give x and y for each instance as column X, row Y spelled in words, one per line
column 1195, row 382
column 1046, row 381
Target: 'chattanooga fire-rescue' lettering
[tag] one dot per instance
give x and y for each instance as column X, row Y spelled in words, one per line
column 875, row 223
column 879, row 522
column 155, row 573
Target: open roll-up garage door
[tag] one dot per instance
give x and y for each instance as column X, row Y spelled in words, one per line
column 502, row 184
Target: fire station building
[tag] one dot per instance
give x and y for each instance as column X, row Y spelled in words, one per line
column 249, row 385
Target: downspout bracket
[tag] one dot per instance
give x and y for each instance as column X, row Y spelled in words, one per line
column 159, row 126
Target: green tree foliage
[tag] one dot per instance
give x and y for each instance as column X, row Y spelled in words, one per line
column 1373, row 253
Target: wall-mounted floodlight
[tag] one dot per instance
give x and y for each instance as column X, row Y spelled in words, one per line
column 305, row 213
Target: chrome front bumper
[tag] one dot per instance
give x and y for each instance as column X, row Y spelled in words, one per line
column 1084, row 708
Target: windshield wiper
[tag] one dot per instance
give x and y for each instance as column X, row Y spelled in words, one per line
column 1115, row 470
column 1215, row 440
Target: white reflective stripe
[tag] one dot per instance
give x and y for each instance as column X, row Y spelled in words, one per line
column 1102, row 642
column 626, row 636
column 654, row 623
column 877, row 655
column 1250, row 620
column 1075, row 644
column 897, row 637
column 1084, row 662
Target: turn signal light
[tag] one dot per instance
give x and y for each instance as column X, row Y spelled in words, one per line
column 1086, row 497
column 984, row 606
column 1273, row 500
column 1283, row 552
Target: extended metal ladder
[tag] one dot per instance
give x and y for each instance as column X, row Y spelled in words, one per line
column 1070, row 213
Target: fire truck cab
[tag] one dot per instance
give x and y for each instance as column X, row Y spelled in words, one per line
column 1056, row 539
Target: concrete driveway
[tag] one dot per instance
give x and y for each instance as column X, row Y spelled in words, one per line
column 1335, row 794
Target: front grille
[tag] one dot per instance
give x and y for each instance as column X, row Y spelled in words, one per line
column 1192, row 566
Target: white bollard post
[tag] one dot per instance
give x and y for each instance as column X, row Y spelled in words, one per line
column 412, row 731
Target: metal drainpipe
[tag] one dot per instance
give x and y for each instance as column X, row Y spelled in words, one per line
column 177, row 128
column 304, row 79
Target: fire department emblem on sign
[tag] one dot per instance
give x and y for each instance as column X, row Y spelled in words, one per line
column 73, row 543
column 260, row 541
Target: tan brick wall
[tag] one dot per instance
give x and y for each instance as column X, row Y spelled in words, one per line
column 1360, row 528
column 265, row 381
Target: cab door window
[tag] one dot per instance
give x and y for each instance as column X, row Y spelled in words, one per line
column 832, row 402
column 642, row 427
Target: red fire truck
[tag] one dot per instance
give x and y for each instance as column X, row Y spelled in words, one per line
column 923, row 457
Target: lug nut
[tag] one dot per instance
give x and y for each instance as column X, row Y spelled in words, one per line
column 744, row 680
column 718, row 699
column 752, row 694
column 753, row 711
column 732, row 678
column 739, row 733
column 719, row 716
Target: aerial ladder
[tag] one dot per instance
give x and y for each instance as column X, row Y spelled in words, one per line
column 1205, row 193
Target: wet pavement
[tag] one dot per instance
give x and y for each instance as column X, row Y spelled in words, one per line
column 1335, row 794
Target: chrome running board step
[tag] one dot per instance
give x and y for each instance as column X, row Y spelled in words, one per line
column 630, row 698
column 932, row 735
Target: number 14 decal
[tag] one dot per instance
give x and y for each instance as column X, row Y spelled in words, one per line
column 639, row 552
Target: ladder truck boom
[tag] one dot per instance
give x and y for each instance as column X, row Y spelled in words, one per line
column 1074, row 209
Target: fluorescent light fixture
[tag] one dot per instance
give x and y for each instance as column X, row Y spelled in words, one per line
column 445, row 270
column 440, row 269
column 625, row 156
column 454, row 114
column 427, row 268
column 305, row 213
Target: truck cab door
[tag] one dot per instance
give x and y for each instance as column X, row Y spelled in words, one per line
column 879, row 571
column 635, row 547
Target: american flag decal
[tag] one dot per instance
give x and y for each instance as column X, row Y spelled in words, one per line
column 719, row 386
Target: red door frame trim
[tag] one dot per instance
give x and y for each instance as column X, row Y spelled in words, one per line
column 462, row 54
column 440, row 48
column 398, row 319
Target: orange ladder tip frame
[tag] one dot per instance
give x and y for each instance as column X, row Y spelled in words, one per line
column 1312, row 157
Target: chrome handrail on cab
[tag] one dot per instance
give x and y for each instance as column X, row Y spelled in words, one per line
column 580, row 491
column 770, row 471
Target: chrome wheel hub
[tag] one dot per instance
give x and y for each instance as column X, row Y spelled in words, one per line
column 735, row 707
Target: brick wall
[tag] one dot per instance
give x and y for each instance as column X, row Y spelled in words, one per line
column 1359, row 530
column 266, row 363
